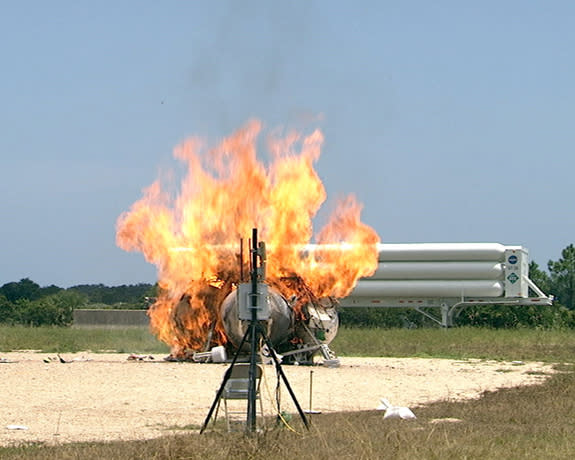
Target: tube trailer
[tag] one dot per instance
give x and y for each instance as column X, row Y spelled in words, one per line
column 447, row 277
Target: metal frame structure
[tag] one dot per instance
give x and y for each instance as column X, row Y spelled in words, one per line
column 448, row 308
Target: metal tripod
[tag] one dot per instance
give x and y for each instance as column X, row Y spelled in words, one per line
column 254, row 331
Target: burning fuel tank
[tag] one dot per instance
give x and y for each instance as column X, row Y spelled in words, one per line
column 297, row 332
column 279, row 326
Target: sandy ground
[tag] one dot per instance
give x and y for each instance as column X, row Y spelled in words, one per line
column 108, row 397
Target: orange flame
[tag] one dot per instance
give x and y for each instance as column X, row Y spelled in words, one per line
column 193, row 239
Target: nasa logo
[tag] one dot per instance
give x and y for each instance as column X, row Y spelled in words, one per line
column 512, row 259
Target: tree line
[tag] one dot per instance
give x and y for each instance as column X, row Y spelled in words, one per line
column 26, row 302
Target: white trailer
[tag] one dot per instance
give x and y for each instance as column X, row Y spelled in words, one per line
column 448, row 277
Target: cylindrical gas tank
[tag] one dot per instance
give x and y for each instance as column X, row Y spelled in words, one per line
column 475, row 270
column 441, row 251
column 279, row 325
column 427, row 288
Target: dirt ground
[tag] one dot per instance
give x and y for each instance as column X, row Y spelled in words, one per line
column 108, row 397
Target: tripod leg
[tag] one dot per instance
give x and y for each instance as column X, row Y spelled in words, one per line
column 216, row 402
column 284, row 378
column 216, row 414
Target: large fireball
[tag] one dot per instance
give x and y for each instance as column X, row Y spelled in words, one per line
column 193, row 237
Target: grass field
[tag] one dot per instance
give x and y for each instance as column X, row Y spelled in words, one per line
column 70, row 340
column 457, row 343
column 528, row 423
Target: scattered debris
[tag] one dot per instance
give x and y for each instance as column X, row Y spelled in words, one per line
column 135, row 357
column 173, row 359
column 81, row 359
column 215, row 355
column 395, row 411
column 331, row 363
column 16, row 427
column 445, row 420
column 59, row 359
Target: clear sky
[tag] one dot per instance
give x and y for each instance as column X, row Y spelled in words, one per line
column 450, row 121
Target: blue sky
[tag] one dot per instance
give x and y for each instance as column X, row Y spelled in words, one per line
column 450, row 121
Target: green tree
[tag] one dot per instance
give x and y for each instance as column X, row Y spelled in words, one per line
column 50, row 290
column 23, row 289
column 539, row 277
column 563, row 277
column 124, row 296
column 54, row 310
column 6, row 310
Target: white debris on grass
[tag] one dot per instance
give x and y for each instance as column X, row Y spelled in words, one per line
column 395, row 411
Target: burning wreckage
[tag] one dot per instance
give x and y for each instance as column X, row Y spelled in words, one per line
column 299, row 325
column 195, row 240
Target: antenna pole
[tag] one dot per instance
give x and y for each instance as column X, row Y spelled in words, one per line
column 251, row 415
